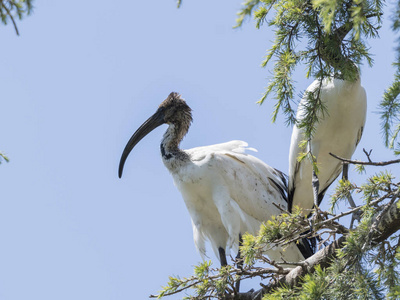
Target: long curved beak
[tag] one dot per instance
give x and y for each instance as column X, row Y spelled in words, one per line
column 151, row 123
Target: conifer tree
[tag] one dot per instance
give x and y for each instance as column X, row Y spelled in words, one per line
column 12, row 9
column 329, row 38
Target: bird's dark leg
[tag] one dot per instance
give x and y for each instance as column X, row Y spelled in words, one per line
column 224, row 263
column 315, row 185
column 222, row 257
column 356, row 215
column 239, row 262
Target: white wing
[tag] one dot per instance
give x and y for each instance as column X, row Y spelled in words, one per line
column 229, row 192
column 199, row 153
column 338, row 132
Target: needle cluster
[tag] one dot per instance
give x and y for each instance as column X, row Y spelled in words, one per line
column 358, row 264
column 11, row 9
column 328, row 37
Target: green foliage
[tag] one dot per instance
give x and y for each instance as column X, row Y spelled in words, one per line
column 281, row 293
column 360, row 169
column 390, row 104
column 348, row 276
column 281, row 226
column 4, row 157
column 282, row 85
column 355, row 259
column 327, row 10
column 279, row 229
column 396, row 17
column 342, row 191
column 376, row 185
column 328, row 38
column 10, row 9
column 314, row 110
column 313, row 33
column 246, row 11
column 357, row 241
column 390, row 112
column 307, row 154
column 362, row 269
column 315, row 285
column 388, row 260
column 206, row 283
column 200, row 280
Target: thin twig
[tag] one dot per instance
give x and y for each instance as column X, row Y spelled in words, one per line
column 340, row 227
column 356, row 209
column 357, row 162
column 368, row 154
column 11, row 17
column 374, row 15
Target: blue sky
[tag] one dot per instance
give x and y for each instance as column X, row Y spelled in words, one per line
column 75, row 85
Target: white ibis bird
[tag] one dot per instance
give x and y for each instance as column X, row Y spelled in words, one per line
column 338, row 131
column 226, row 191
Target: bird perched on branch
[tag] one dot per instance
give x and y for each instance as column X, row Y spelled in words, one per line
column 338, row 131
column 226, row 191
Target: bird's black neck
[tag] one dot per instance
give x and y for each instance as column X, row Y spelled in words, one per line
column 172, row 138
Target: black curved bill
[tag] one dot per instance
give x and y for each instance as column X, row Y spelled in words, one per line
column 153, row 122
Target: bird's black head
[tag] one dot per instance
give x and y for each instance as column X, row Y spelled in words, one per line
column 175, row 110
column 172, row 111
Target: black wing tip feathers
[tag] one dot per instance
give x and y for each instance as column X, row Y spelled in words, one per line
column 307, row 246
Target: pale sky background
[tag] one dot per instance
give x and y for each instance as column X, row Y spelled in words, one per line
column 80, row 79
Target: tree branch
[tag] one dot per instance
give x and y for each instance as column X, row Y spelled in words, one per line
column 11, row 17
column 388, row 224
column 357, row 162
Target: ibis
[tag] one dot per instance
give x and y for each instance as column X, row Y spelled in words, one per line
column 226, row 191
column 338, row 131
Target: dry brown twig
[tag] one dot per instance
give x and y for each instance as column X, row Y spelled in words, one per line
column 366, row 163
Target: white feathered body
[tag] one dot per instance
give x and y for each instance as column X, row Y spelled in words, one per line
column 228, row 192
column 338, row 132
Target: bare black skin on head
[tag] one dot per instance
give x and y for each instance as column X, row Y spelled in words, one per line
column 173, row 111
